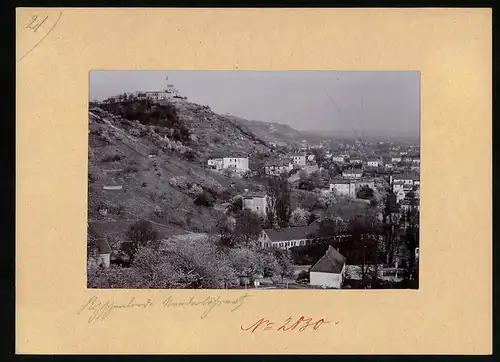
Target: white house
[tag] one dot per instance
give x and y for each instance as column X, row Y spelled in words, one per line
column 389, row 165
column 352, row 173
column 329, row 271
column 343, row 187
column 373, row 163
column 255, row 201
column 396, row 159
column 299, row 160
column 236, row 163
column 410, row 179
column 338, row 158
column 356, row 161
column 216, row 163
column 286, row 238
column 400, row 195
column 278, row 168
column 311, row 157
column 102, row 259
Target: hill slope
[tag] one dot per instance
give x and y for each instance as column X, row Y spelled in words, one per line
column 154, row 155
column 281, row 134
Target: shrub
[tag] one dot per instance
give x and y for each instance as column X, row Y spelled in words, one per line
column 205, row 199
column 195, row 190
column 299, row 217
column 112, row 158
column 142, row 233
column 303, row 276
column 190, row 155
column 158, row 211
column 116, row 209
column 129, row 169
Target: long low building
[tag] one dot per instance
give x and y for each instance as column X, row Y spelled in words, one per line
column 286, row 238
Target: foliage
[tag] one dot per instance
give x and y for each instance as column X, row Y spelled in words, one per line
column 148, row 113
column 279, row 201
column 299, row 217
column 235, row 204
column 142, row 233
column 112, row 158
column 303, row 276
column 205, row 199
column 248, row 226
column 364, row 192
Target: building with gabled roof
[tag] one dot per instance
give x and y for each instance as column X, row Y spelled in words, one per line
column 286, row 238
column 329, row 271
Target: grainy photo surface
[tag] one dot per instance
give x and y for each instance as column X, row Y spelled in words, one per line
column 253, row 179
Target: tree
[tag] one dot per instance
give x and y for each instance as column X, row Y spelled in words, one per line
column 319, row 155
column 248, row 226
column 411, row 237
column 306, row 185
column 225, row 227
column 299, row 217
column 280, row 199
column 205, row 199
column 285, row 262
column 329, row 228
column 365, row 192
column 142, row 233
column 363, row 246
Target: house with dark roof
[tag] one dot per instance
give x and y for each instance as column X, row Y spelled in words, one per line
column 286, row 238
column 329, row 271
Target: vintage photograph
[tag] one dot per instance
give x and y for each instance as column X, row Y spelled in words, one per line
column 253, row 179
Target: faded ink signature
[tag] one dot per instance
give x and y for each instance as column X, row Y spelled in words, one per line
column 39, row 23
column 99, row 310
column 209, row 303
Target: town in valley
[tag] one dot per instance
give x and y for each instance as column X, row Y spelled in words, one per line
column 185, row 197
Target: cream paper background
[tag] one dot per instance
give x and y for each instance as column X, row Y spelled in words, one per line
column 452, row 310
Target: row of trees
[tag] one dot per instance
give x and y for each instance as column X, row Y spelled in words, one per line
column 210, row 262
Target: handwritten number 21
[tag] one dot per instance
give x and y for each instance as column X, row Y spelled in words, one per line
column 34, row 24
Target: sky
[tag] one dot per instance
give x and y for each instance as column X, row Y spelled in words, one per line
column 358, row 102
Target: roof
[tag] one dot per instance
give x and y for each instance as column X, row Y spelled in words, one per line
column 293, row 233
column 104, row 247
column 341, row 181
column 407, row 176
column 254, row 194
column 331, row 262
column 276, row 163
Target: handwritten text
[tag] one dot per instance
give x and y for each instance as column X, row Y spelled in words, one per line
column 299, row 324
